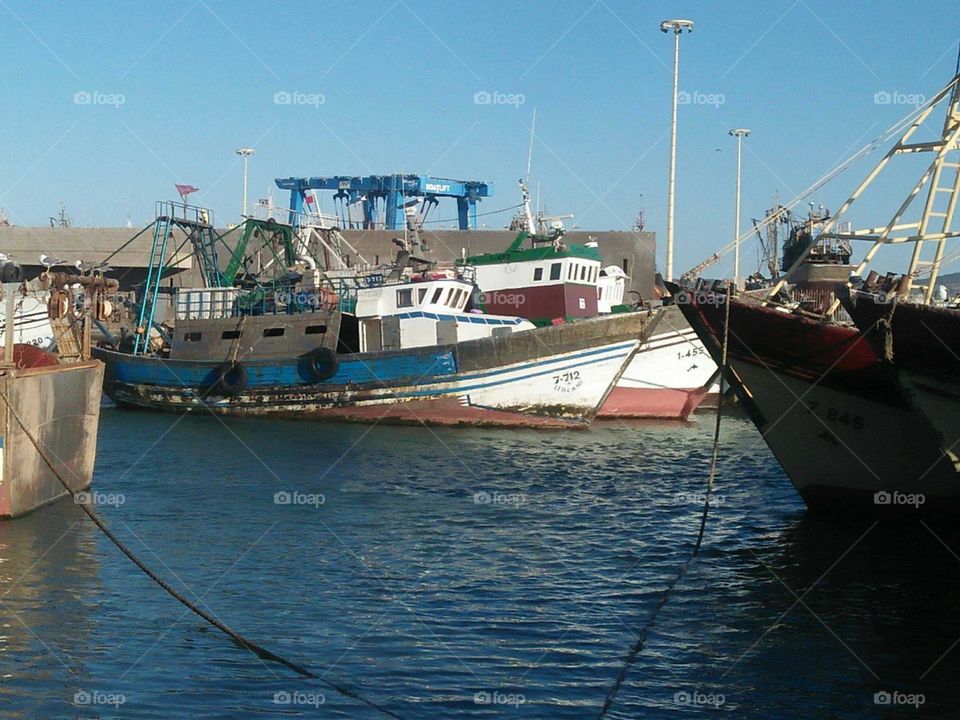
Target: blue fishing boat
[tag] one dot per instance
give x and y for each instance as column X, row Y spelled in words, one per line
column 399, row 345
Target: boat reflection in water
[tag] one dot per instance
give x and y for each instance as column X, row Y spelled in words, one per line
column 49, row 563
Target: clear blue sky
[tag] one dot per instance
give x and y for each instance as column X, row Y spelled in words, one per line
column 398, row 80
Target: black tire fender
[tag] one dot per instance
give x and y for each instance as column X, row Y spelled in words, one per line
column 231, row 378
column 11, row 273
column 322, row 364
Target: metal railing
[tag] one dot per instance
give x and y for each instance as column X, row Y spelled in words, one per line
column 218, row 303
column 182, row 212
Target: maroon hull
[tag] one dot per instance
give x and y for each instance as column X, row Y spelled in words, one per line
column 544, row 303
column 921, row 345
column 925, row 339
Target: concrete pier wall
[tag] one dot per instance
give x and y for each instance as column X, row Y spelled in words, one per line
column 635, row 252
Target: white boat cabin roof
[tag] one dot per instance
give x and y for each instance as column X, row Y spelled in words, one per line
column 440, row 295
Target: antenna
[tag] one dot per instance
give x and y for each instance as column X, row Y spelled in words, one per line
column 533, row 127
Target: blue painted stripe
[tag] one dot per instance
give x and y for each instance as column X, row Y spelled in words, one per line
column 460, row 390
column 290, row 373
column 460, row 318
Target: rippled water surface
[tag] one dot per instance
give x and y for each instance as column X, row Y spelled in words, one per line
column 467, row 573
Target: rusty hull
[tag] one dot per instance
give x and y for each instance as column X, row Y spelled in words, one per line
column 60, row 406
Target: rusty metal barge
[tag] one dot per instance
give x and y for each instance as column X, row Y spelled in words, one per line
column 49, row 417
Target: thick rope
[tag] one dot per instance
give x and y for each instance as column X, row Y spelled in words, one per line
column 258, row 650
column 642, row 638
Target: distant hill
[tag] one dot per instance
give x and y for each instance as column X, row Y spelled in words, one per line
column 951, row 280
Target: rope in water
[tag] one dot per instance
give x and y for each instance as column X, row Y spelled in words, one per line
column 253, row 647
column 642, row 637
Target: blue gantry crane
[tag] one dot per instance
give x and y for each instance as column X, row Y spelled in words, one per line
column 394, row 192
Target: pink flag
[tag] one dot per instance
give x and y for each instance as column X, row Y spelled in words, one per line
column 185, row 190
column 310, row 200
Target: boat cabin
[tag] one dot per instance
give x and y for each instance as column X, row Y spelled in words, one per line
column 422, row 311
column 546, row 281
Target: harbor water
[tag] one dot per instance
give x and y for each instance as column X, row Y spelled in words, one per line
column 446, row 573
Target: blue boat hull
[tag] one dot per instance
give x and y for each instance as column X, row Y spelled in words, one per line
column 556, row 376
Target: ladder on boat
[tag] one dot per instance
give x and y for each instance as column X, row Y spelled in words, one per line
column 162, row 232
column 941, row 203
column 941, row 179
column 197, row 224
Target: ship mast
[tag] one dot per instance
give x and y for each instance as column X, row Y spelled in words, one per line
column 941, row 179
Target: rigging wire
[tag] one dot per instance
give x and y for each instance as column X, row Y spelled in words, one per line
column 641, row 640
column 253, row 647
column 824, row 179
column 492, row 212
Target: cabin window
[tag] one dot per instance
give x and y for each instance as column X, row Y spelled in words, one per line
column 421, row 294
column 625, row 265
column 404, row 298
column 449, row 295
column 458, row 299
column 192, row 337
column 315, row 330
column 273, row 332
column 583, row 272
column 436, row 296
column 230, row 335
column 555, row 269
column 537, row 274
column 571, row 271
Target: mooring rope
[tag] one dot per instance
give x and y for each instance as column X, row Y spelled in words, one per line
column 258, row 650
column 642, row 637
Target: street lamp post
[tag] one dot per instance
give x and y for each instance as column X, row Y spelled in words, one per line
column 739, row 134
column 245, row 153
column 677, row 26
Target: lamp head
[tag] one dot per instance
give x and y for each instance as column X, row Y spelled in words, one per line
column 677, row 26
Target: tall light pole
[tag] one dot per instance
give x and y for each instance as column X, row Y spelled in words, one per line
column 677, row 26
column 245, row 153
column 739, row 134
